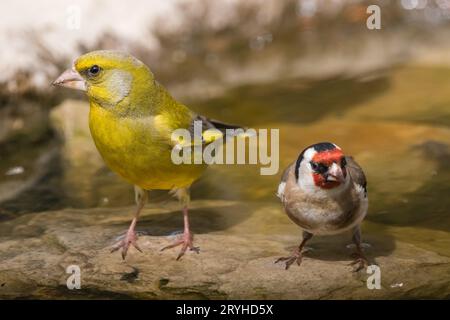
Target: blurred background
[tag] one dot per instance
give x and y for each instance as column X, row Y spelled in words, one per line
column 311, row 68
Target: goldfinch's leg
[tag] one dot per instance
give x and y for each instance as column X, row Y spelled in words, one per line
column 298, row 252
column 187, row 240
column 141, row 197
column 360, row 261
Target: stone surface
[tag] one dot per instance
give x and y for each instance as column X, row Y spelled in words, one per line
column 239, row 243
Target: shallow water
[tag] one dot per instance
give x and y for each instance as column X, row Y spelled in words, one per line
column 396, row 123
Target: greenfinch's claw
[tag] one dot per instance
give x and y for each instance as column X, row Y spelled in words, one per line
column 137, row 247
column 186, row 242
column 130, row 238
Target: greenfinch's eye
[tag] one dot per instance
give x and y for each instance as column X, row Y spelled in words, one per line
column 94, row 70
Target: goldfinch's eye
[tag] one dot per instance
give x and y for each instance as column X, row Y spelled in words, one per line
column 94, row 70
column 318, row 167
column 343, row 162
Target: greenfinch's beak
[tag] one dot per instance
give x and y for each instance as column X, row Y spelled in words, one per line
column 70, row 79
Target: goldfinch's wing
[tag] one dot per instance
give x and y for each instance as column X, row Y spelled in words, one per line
column 284, row 178
column 286, row 172
column 356, row 173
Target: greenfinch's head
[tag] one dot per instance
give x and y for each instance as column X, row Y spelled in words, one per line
column 108, row 77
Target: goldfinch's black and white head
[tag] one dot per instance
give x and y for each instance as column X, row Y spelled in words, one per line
column 321, row 166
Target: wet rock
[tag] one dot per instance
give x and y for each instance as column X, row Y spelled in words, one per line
column 236, row 258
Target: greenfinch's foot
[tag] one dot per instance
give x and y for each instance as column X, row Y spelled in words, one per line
column 360, row 262
column 295, row 257
column 130, row 238
column 187, row 241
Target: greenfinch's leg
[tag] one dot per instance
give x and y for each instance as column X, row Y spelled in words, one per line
column 187, row 240
column 141, row 197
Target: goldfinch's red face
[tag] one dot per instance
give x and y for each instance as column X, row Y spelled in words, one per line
column 322, row 165
column 328, row 168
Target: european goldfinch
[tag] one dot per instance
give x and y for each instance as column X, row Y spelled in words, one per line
column 324, row 192
column 131, row 120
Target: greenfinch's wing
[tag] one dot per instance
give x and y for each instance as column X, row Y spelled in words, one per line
column 211, row 130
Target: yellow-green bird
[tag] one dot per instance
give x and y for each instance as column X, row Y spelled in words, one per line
column 131, row 120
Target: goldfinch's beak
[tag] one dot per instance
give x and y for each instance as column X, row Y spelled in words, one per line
column 335, row 174
column 70, row 79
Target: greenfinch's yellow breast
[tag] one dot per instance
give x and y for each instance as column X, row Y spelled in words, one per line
column 138, row 151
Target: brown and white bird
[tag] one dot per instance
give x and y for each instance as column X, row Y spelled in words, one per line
column 324, row 192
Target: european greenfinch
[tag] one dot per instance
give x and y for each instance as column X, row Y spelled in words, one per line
column 131, row 120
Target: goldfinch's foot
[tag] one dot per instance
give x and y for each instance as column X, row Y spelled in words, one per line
column 360, row 262
column 130, row 238
column 187, row 241
column 295, row 257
